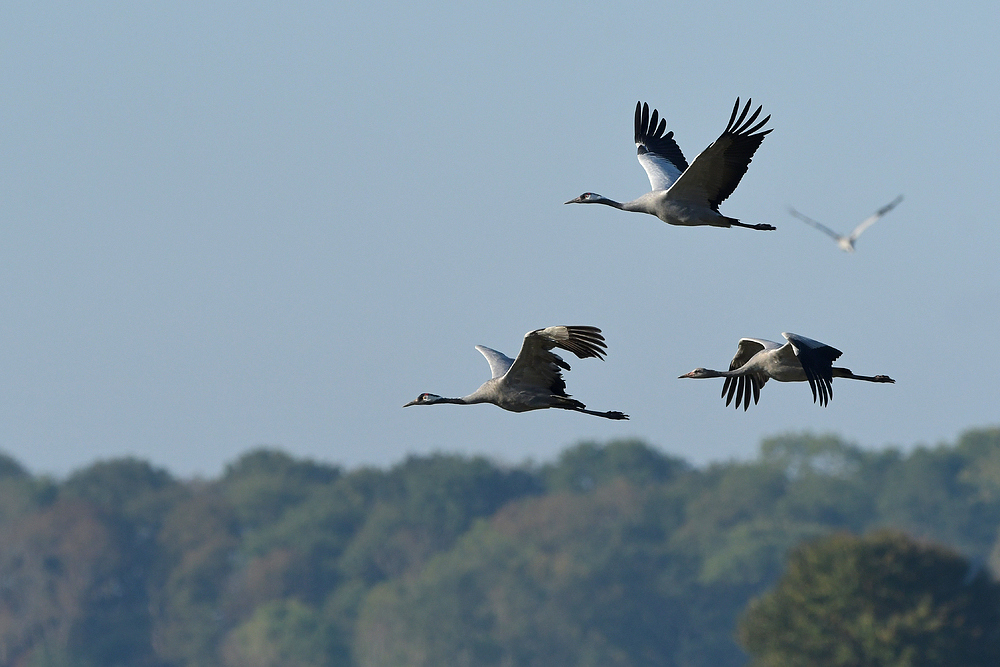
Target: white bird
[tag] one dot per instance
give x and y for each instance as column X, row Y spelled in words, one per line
column 801, row 359
column 533, row 381
column 690, row 195
column 846, row 243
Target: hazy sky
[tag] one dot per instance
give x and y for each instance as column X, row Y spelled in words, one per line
column 235, row 224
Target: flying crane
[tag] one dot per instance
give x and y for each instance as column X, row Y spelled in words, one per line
column 533, row 381
column 690, row 195
column 801, row 359
column 846, row 243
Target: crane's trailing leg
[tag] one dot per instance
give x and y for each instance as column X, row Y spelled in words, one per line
column 763, row 226
column 567, row 403
column 614, row 414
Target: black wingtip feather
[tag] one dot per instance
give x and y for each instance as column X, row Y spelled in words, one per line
column 584, row 342
column 744, row 114
column 736, row 108
column 651, row 136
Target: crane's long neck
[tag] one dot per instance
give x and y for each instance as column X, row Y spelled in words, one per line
column 644, row 204
column 702, row 373
column 709, row 373
column 456, row 401
column 607, row 202
column 640, row 205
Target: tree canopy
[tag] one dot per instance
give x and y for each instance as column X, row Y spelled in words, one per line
column 613, row 554
column 882, row 600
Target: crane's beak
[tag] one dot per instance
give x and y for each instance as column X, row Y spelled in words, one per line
column 573, row 201
column 414, row 402
column 686, row 375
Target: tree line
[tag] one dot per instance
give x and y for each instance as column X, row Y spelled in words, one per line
column 816, row 552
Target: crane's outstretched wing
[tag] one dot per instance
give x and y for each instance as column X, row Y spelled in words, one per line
column 817, row 361
column 537, row 365
column 500, row 363
column 872, row 219
column 741, row 385
column 821, row 227
column 658, row 153
column 718, row 169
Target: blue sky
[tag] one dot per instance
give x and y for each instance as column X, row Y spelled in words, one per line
column 236, row 225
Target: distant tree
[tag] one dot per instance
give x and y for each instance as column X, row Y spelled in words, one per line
column 588, row 465
column 195, row 555
column 803, row 453
column 615, row 554
column 932, row 493
column 20, row 492
column 748, row 516
column 131, row 493
column 117, row 483
column 264, row 483
column 565, row 579
column 285, row 633
column 9, row 467
column 65, row 592
column 423, row 505
column 883, row 600
column 732, row 524
column 981, row 449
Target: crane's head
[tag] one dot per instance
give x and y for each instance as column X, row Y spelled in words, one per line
column 699, row 373
column 588, row 198
column 424, row 399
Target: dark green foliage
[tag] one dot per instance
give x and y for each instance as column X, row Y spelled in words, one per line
column 262, row 484
column 195, row 549
column 284, row 633
column 614, row 554
column 10, row 468
column 116, row 484
column 941, row 493
column 884, row 600
column 67, row 589
column 588, row 465
column 563, row 579
column 423, row 505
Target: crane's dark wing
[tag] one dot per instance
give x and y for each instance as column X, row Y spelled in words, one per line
column 742, row 385
column 817, row 361
column 537, row 365
column 658, row 153
column 718, row 169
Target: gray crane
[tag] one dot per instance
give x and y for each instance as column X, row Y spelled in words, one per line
column 533, row 380
column 690, row 195
column 801, row 359
column 846, row 243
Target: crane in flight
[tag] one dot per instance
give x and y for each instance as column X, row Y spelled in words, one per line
column 690, row 195
column 846, row 243
column 801, row 359
column 533, row 380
